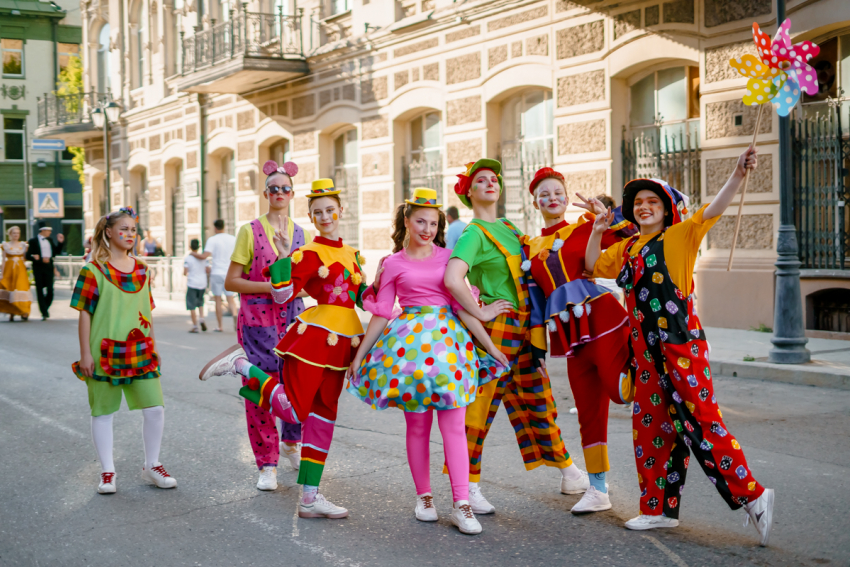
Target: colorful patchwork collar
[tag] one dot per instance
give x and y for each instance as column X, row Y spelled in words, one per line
column 131, row 282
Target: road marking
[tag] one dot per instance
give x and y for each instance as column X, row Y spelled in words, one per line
column 28, row 410
column 328, row 556
column 667, row 551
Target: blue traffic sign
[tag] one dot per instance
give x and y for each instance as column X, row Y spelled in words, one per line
column 56, row 145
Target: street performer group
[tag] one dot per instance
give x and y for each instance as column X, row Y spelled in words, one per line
column 455, row 332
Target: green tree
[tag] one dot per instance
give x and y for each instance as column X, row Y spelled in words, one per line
column 70, row 88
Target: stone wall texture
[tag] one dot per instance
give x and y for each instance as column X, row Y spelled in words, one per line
column 246, row 211
column 192, row 159
column 416, row 47
column 717, row 172
column 283, row 108
column 304, row 140
column 377, row 239
column 717, row 67
column 431, row 72
column 581, row 137
column 464, row 68
column 376, row 201
column 373, row 89
column 246, row 180
column 303, row 106
column 719, row 12
column 349, row 92
column 720, row 123
column 581, row 88
column 679, row 12
column 464, row 110
column 497, row 55
column 588, row 183
column 651, row 16
column 306, row 172
column 325, row 98
column 624, row 23
column 374, row 127
column 580, row 40
column 157, row 218
column 462, row 152
column 244, row 150
column 191, row 132
column 401, row 78
column 756, row 232
column 154, row 143
column 156, row 168
column 300, row 208
column 155, row 193
column 470, row 31
column 192, row 215
column 375, row 164
column 516, row 49
column 537, row 45
column 519, row 18
column 245, row 120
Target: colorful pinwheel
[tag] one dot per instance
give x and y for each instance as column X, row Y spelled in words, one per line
column 780, row 71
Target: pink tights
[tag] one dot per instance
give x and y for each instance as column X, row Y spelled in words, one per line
column 452, row 428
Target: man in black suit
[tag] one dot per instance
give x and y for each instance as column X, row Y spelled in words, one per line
column 41, row 251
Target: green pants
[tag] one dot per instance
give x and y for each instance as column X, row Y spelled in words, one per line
column 104, row 398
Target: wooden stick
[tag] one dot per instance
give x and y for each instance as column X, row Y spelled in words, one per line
column 743, row 194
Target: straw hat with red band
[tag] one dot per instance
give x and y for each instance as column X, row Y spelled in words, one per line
column 465, row 179
column 674, row 201
column 545, row 173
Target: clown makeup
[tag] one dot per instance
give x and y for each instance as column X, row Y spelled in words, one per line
column 550, row 198
column 122, row 235
column 485, row 186
column 324, row 212
column 649, row 211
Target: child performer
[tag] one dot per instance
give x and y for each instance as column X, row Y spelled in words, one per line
column 261, row 322
column 117, row 345
column 425, row 360
column 674, row 407
column 318, row 348
column 596, row 346
column 490, row 252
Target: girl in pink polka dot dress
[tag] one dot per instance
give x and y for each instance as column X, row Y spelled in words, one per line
column 422, row 358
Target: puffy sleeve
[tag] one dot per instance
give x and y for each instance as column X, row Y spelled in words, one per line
column 610, row 262
column 86, row 294
column 383, row 305
column 290, row 275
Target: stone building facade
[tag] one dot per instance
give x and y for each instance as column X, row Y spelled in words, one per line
column 383, row 95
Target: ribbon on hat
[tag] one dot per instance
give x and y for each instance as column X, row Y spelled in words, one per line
column 289, row 168
column 464, row 180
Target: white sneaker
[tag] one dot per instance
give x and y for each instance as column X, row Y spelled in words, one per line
column 292, row 453
column 761, row 512
column 268, row 479
column 464, row 519
column 321, row 508
column 577, row 486
column 107, row 483
column 644, row 522
column 223, row 364
column 592, row 501
column 156, row 475
column 425, row 511
column 477, row 501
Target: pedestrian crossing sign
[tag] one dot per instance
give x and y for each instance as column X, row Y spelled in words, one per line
column 49, row 203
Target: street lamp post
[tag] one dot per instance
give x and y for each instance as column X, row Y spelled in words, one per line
column 102, row 116
column 789, row 335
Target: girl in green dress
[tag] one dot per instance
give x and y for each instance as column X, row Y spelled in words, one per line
column 117, row 349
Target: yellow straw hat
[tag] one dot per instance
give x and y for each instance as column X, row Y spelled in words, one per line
column 424, row 197
column 323, row 188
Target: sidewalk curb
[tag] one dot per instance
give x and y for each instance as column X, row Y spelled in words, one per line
column 804, row 375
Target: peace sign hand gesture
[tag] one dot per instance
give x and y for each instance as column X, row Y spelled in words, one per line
column 281, row 240
column 594, row 205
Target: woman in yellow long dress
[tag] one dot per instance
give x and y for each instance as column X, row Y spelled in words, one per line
column 15, row 297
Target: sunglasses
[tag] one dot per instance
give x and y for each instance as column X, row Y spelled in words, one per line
column 275, row 189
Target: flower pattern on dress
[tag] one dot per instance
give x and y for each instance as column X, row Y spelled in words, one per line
column 336, row 290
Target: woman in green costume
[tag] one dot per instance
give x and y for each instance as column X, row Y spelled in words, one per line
column 117, row 351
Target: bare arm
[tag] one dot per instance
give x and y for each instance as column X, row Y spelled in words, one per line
column 233, row 281
column 747, row 160
column 477, row 329
column 201, row 255
column 84, row 329
column 376, row 326
column 454, row 279
column 594, row 243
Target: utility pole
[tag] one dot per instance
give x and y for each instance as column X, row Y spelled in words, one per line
column 789, row 334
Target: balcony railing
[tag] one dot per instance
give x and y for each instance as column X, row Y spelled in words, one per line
column 520, row 161
column 251, row 34
column 426, row 172
column 68, row 110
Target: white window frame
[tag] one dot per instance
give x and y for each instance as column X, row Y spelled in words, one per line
column 4, row 49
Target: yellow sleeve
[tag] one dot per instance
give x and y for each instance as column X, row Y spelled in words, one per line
column 243, row 252
column 610, row 262
column 681, row 246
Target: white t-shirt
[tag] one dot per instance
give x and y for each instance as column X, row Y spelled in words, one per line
column 221, row 247
column 197, row 276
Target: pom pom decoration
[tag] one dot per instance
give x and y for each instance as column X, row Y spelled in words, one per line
column 302, row 328
column 552, row 326
column 564, row 315
column 355, row 342
column 254, row 384
column 557, row 244
column 297, row 256
column 289, row 168
column 578, row 310
column 544, row 254
column 356, row 278
column 333, row 339
column 323, row 271
column 526, row 265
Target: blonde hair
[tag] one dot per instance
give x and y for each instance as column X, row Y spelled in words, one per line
column 99, row 245
column 10, row 229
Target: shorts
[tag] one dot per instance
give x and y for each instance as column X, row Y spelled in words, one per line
column 217, row 287
column 194, row 298
column 104, row 398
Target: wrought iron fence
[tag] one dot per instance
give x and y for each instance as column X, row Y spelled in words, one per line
column 821, row 177
column 424, row 173
column 347, row 179
column 519, row 163
column 70, row 109
column 245, row 33
column 673, row 157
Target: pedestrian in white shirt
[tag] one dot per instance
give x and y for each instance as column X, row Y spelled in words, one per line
column 195, row 271
column 220, row 247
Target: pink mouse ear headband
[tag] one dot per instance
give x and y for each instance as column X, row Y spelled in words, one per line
column 289, row 168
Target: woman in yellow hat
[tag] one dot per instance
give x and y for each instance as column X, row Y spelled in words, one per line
column 422, row 358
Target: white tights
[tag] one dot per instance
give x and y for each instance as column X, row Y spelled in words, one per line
column 101, row 434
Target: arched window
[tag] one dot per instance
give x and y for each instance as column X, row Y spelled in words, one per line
column 346, row 173
column 667, row 101
column 103, row 60
column 280, row 151
column 833, row 68
column 345, row 150
column 425, row 137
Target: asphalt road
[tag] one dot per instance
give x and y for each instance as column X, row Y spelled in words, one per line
column 797, row 440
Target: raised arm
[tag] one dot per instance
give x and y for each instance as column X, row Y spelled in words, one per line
column 594, row 243
column 747, row 160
